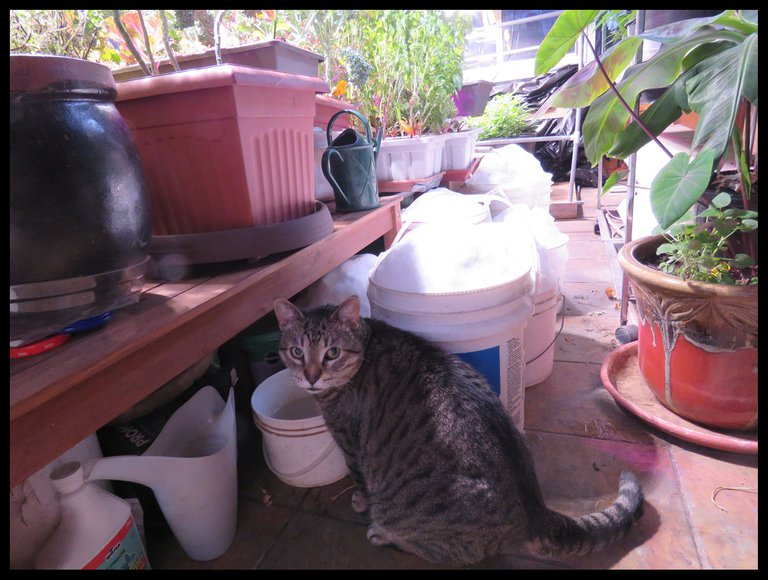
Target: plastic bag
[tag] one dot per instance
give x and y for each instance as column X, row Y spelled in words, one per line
column 551, row 244
column 351, row 277
column 513, row 173
column 555, row 156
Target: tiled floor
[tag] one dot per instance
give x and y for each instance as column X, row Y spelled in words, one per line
column 581, row 440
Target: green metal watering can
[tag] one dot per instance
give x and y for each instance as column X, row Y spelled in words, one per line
column 349, row 165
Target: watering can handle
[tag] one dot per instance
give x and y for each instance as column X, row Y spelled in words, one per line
column 377, row 144
column 326, row 168
column 349, row 112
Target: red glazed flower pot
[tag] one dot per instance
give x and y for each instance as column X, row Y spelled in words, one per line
column 697, row 342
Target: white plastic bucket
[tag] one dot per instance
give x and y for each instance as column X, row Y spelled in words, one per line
column 481, row 328
column 297, row 446
column 540, row 336
column 443, row 205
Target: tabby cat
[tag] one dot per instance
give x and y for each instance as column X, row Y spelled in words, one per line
column 439, row 466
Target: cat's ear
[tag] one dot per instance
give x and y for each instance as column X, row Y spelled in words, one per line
column 348, row 312
column 286, row 313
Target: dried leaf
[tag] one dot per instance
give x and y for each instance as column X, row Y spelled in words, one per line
column 611, row 293
column 719, row 489
column 343, row 491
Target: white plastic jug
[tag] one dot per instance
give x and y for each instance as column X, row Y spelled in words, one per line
column 192, row 470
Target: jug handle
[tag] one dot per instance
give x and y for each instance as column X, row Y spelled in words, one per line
column 377, row 144
column 325, row 165
column 348, row 112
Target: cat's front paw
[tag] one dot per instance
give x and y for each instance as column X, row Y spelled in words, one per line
column 378, row 536
column 359, row 501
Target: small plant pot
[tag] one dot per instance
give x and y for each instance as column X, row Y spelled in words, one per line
column 326, row 107
column 459, row 149
column 271, row 54
column 408, row 158
column 472, row 98
column 697, row 342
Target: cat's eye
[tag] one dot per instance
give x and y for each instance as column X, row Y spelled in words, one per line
column 296, row 352
column 332, row 353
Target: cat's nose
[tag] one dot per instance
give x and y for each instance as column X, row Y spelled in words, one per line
column 313, row 373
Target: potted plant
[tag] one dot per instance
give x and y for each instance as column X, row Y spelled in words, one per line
column 200, row 131
column 506, row 116
column 271, row 51
column 696, row 282
column 459, row 148
column 472, row 98
column 401, row 70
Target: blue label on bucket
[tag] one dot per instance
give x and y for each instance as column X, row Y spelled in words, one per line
column 486, row 362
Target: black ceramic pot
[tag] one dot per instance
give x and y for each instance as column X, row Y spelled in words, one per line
column 79, row 213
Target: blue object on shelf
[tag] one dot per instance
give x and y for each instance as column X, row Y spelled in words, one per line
column 89, row 323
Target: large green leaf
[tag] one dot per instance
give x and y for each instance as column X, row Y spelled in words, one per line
column 678, row 185
column 675, row 31
column 750, row 16
column 561, row 38
column 715, row 93
column 661, row 114
column 607, row 116
column 589, row 82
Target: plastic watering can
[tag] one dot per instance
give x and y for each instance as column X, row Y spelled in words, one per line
column 192, row 469
column 349, row 165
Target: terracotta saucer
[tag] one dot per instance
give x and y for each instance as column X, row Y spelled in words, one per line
column 621, row 376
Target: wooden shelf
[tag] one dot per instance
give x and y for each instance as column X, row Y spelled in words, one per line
column 60, row 397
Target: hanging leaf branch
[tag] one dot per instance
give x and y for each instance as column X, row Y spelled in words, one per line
column 129, row 43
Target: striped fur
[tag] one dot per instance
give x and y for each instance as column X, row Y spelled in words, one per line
column 442, row 471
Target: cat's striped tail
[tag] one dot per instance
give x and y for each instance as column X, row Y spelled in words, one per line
column 557, row 534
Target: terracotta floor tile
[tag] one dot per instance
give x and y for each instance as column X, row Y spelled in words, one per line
column 583, row 247
column 257, row 525
column 574, row 401
column 727, row 536
column 256, row 482
column 581, row 298
column 579, row 475
column 588, row 338
column 577, row 226
column 313, row 542
column 333, row 501
column 595, row 270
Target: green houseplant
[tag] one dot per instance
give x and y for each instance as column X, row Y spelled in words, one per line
column 401, row 68
column 696, row 283
column 505, row 116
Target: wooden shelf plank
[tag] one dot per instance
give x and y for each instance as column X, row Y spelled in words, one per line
column 68, row 393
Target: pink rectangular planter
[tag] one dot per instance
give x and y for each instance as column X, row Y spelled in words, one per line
column 326, row 107
column 224, row 147
column 269, row 54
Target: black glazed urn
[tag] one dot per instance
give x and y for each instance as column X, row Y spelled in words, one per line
column 79, row 212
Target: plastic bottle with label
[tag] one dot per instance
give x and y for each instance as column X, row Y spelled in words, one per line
column 97, row 530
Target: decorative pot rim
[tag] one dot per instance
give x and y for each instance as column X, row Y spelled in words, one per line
column 629, row 258
column 719, row 316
